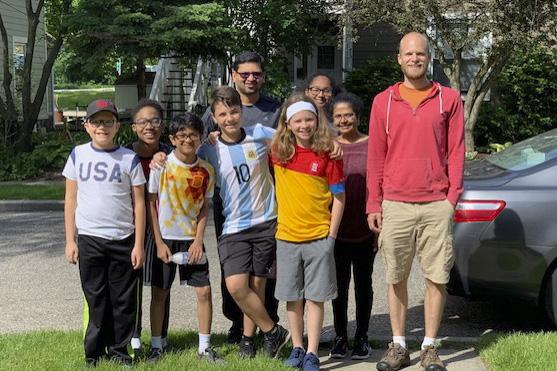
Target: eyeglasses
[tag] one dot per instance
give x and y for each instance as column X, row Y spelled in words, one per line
column 105, row 123
column 182, row 136
column 346, row 116
column 155, row 122
column 246, row 75
column 315, row 90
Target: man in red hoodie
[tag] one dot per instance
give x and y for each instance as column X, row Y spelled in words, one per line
column 414, row 180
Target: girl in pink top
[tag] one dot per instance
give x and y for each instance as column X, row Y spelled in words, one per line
column 354, row 247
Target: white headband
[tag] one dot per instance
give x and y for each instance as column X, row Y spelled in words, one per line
column 297, row 107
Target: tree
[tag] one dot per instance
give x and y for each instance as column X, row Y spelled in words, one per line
column 31, row 97
column 273, row 28
column 495, row 28
column 138, row 30
column 524, row 103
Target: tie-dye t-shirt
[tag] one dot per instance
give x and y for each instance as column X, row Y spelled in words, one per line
column 182, row 189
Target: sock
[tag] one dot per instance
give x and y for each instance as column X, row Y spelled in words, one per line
column 204, row 342
column 247, row 338
column 156, row 342
column 428, row 341
column 400, row 340
column 164, row 343
column 136, row 343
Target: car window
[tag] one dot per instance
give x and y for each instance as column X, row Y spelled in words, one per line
column 526, row 154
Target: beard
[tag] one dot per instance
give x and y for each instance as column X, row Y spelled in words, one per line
column 414, row 73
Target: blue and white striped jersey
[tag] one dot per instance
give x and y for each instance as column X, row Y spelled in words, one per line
column 244, row 178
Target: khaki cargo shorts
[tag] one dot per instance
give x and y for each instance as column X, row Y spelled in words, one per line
column 422, row 228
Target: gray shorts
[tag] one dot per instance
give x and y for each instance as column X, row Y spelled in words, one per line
column 306, row 270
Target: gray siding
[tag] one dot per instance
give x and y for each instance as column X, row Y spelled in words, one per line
column 15, row 20
column 380, row 40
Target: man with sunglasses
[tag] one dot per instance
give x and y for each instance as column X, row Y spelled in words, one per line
column 249, row 76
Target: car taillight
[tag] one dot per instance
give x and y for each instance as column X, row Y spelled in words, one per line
column 478, row 210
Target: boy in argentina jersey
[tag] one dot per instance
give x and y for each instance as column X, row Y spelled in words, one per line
column 105, row 202
column 244, row 179
column 181, row 190
column 247, row 246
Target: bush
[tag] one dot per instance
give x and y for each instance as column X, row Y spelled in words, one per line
column 526, row 104
column 376, row 75
column 49, row 154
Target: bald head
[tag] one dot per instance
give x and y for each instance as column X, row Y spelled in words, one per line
column 413, row 58
column 414, row 38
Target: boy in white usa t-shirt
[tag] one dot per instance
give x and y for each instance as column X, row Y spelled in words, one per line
column 105, row 203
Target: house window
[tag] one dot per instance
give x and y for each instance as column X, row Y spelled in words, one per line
column 19, row 58
column 326, row 57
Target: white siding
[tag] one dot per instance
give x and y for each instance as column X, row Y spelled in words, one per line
column 15, row 19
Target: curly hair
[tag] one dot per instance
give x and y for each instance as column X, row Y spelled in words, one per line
column 284, row 142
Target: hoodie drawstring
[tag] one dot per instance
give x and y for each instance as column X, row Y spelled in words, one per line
column 388, row 111
column 440, row 100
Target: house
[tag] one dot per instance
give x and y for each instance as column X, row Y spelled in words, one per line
column 15, row 20
column 381, row 40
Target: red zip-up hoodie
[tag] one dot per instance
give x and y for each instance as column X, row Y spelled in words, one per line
column 415, row 155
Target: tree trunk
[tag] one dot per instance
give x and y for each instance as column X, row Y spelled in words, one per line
column 140, row 73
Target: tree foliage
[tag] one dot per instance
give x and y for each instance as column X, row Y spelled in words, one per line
column 275, row 28
column 374, row 76
column 527, row 99
column 490, row 29
column 141, row 29
column 18, row 121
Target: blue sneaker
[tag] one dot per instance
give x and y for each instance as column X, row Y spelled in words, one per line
column 311, row 362
column 296, row 358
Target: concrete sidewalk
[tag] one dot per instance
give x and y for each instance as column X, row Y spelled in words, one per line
column 455, row 360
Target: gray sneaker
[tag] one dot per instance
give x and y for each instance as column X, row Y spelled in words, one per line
column 210, row 355
column 429, row 359
column 395, row 358
column 274, row 340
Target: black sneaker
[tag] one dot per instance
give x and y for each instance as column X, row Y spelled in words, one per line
column 247, row 347
column 91, row 362
column 234, row 334
column 155, row 355
column 361, row 349
column 340, row 348
column 274, row 340
column 210, row 355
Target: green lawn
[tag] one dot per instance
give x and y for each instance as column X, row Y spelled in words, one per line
column 32, row 192
column 520, row 351
column 68, row 100
column 59, row 350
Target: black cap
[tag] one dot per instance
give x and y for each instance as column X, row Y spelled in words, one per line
column 101, row 105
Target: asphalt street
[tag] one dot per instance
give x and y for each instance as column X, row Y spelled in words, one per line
column 40, row 290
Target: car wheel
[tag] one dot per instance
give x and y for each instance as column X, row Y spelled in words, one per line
column 551, row 297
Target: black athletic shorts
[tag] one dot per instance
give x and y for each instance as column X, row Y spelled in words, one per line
column 252, row 250
column 162, row 274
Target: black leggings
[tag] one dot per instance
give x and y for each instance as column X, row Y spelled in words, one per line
column 358, row 256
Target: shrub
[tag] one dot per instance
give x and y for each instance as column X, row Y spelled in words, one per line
column 525, row 100
column 49, row 154
column 366, row 81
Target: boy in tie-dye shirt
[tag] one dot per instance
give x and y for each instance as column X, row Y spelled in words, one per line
column 178, row 196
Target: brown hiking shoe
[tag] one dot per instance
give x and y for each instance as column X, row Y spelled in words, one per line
column 395, row 358
column 429, row 359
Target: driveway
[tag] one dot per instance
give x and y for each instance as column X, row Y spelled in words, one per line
column 41, row 291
